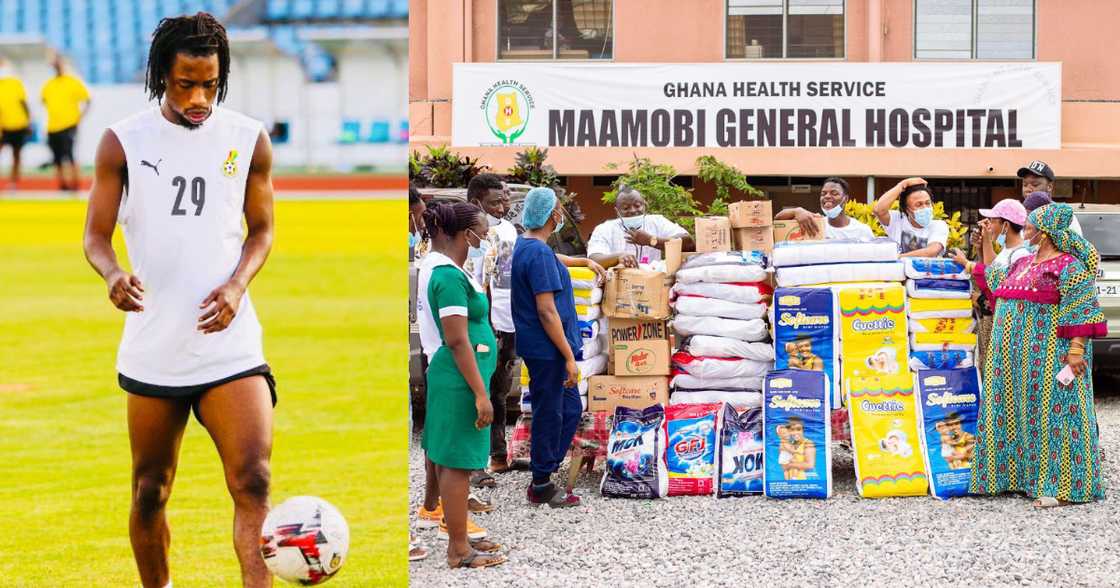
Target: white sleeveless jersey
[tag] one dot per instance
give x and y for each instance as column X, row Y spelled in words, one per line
column 181, row 216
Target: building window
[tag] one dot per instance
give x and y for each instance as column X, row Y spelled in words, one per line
column 583, row 29
column 974, row 29
column 776, row 29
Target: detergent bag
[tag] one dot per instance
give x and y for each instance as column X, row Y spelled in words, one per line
column 740, row 452
column 636, row 455
column 949, row 401
column 691, row 452
column 797, row 431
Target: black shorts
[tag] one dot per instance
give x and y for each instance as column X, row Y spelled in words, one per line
column 193, row 394
column 62, row 144
column 16, row 138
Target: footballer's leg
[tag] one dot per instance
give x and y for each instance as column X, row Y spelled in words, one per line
column 155, row 430
column 238, row 416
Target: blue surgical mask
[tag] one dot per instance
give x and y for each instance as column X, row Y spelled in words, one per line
column 833, row 212
column 634, row 222
column 923, row 216
column 1001, row 240
column 559, row 225
column 474, row 252
column 413, row 240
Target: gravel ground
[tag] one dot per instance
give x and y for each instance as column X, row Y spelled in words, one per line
column 755, row 541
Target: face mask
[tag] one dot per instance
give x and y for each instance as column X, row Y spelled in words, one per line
column 413, row 240
column 833, row 212
column 923, row 217
column 493, row 220
column 1001, row 240
column 559, row 225
column 474, row 252
column 634, row 222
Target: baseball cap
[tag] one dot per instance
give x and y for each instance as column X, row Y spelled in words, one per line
column 1038, row 168
column 1007, row 209
column 1036, row 200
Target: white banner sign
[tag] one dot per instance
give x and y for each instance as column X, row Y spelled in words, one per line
column 850, row 105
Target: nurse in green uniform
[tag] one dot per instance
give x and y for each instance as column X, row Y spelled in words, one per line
column 457, row 427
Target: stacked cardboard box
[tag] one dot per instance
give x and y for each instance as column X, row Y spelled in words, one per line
column 752, row 224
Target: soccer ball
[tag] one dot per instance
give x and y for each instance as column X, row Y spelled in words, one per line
column 304, row 540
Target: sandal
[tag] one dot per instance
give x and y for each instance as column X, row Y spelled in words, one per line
column 486, row 546
column 470, row 560
column 417, row 552
column 483, row 479
column 479, row 506
column 499, row 467
column 1049, row 502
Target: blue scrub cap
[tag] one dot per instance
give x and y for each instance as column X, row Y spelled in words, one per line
column 539, row 204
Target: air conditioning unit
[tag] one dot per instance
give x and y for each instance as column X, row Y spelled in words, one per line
column 801, row 188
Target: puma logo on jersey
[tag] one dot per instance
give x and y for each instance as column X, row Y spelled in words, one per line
column 148, row 164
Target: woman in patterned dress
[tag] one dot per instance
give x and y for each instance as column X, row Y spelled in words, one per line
column 1035, row 435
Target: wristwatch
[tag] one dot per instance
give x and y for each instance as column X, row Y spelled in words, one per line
column 653, row 241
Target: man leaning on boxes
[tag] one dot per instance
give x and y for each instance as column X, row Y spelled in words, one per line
column 834, row 195
column 635, row 237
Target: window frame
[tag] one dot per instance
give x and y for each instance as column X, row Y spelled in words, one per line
column 785, row 38
column 555, row 49
column 973, row 44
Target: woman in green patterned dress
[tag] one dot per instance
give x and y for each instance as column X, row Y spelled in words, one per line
column 1036, row 435
column 457, row 426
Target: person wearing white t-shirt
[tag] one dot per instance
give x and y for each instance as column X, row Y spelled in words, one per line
column 492, row 268
column 635, row 237
column 834, row 195
column 912, row 226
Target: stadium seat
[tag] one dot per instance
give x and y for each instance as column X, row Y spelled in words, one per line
column 353, row 8
column 376, row 9
column 328, row 9
column 379, row 132
column 351, row 132
column 400, row 8
column 277, row 10
column 302, row 9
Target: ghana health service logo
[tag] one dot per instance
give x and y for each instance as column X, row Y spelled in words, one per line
column 506, row 107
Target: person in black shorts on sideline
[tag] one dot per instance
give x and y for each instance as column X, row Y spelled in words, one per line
column 15, row 118
column 66, row 100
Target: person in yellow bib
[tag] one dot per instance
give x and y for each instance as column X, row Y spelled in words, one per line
column 66, row 99
column 15, row 118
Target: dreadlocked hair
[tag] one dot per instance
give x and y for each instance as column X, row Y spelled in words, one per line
column 449, row 219
column 198, row 35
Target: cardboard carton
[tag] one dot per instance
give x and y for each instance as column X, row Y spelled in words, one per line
column 753, row 213
column 790, row 230
column 639, row 358
column 755, row 239
column 636, row 293
column 606, row 393
column 713, row 233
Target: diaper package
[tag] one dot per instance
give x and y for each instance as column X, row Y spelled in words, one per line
column 740, row 258
column 589, row 296
column 588, row 313
column 943, row 341
column 697, row 306
column 807, row 332
column 636, row 455
column 740, row 452
column 797, row 433
column 788, row 277
column 873, row 333
column 938, row 289
column 799, row 253
column 709, row 346
column 691, row 452
column 741, row 293
column 933, row 268
column 719, row 367
column 946, row 325
column 949, row 402
column 744, row 397
column 722, row 274
column 885, row 442
column 751, row 330
column 926, row 308
column 940, row 360
column 583, row 278
column 691, row 382
column 519, row 441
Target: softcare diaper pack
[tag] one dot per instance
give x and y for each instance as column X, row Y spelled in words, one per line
column 885, row 441
column 806, row 332
column 636, row 455
column 949, row 402
column 691, row 451
column 797, row 432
